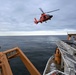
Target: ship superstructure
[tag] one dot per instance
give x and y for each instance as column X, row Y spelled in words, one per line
column 63, row 62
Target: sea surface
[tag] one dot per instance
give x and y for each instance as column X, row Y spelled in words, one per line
column 37, row 48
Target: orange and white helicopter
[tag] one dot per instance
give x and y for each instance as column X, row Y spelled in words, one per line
column 44, row 17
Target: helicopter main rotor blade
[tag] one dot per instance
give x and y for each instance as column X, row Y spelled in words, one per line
column 41, row 10
column 52, row 11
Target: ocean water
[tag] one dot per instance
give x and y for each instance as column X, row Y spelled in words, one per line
column 37, row 48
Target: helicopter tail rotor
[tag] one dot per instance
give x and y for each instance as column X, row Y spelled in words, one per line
column 35, row 21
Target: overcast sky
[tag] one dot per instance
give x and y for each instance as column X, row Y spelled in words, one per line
column 18, row 15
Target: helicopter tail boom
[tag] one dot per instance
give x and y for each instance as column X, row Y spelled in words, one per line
column 35, row 21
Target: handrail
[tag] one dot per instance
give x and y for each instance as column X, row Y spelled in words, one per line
column 56, row 71
column 47, row 64
column 72, row 69
column 5, row 67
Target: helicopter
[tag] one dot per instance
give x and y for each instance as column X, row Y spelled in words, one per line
column 44, row 17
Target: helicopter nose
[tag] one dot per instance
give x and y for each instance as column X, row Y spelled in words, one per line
column 51, row 16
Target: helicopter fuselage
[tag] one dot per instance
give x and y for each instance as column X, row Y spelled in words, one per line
column 45, row 17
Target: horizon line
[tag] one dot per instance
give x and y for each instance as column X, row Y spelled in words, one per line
column 31, row 33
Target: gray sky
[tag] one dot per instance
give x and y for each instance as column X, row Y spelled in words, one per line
column 18, row 15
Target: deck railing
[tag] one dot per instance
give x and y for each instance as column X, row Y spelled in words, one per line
column 55, row 72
